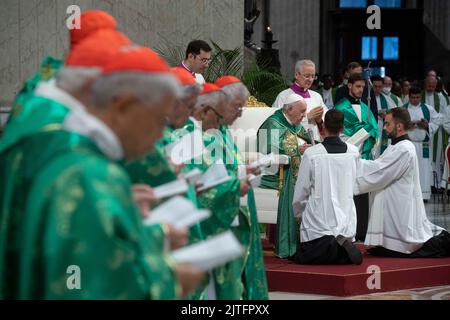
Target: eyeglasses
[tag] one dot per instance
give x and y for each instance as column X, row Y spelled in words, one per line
column 219, row 116
column 309, row 76
column 203, row 60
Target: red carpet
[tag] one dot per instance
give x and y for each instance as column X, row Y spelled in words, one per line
column 349, row 280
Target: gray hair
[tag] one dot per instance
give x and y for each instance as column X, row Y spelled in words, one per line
column 302, row 63
column 237, row 90
column 188, row 91
column 73, row 79
column 148, row 88
column 211, row 99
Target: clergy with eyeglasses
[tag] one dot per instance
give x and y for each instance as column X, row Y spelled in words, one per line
column 197, row 59
column 305, row 74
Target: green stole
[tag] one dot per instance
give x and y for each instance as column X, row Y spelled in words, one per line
column 447, row 99
column 437, row 107
column 396, row 100
column 384, row 136
column 285, row 179
column 426, row 141
column 352, row 125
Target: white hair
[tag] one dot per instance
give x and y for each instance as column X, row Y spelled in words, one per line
column 237, row 90
column 148, row 88
column 302, row 63
column 73, row 79
column 188, row 91
column 211, row 99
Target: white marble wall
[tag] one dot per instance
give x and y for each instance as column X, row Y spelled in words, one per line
column 33, row 29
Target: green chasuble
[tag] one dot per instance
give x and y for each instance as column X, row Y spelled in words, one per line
column 154, row 170
column 223, row 201
column 37, row 115
column 38, row 118
column 352, row 125
column 48, row 69
column 277, row 135
column 254, row 274
column 77, row 211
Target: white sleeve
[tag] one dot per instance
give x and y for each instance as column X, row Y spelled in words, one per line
column 374, row 175
column 278, row 103
column 302, row 186
column 446, row 123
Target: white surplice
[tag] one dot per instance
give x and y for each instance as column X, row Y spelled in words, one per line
column 397, row 219
column 429, row 100
column 323, row 195
column 314, row 101
column 417, row 136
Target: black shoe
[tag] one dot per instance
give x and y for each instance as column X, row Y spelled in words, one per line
column 353, row 252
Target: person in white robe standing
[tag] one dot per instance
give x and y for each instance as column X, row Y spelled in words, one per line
column 398, row 224
column 323, row 199
column 438, row 140
column 305, row 73
column 425, row 122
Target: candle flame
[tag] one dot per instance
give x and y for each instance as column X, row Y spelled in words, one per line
column 268, row 29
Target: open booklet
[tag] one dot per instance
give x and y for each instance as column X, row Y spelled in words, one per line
column 190, row 146
column 358, row 138
column 193, row 176
column 171, row 189
column 212, row 253
column 178, row 212
column 215, row 175
column 270, row 160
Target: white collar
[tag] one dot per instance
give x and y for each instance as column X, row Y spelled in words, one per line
column 89, row 126
column 182, row 62
column 289, row 121
column 49, row 90
column 80, row 121
column 196, row 123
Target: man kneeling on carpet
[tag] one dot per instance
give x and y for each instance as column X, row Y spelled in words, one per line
column 323, row 199
column 398, row 224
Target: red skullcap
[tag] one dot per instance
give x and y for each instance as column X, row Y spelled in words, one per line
column 90, row 22
column 97, row 50
column 209, row 87
column 136, row 59
column 184, row 76
column 226, row 80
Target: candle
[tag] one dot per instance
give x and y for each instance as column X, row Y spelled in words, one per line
column 269, row 34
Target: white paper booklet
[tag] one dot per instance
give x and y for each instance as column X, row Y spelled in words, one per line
column 359, row 137
column 215, row 175
column 193, row 176
column 270, row 160
column 171, row 189
column 190, row 146
column 255, row 181
column 178, row 212
column 211, row 253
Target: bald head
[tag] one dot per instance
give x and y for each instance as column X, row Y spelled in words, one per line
column 430, row 83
